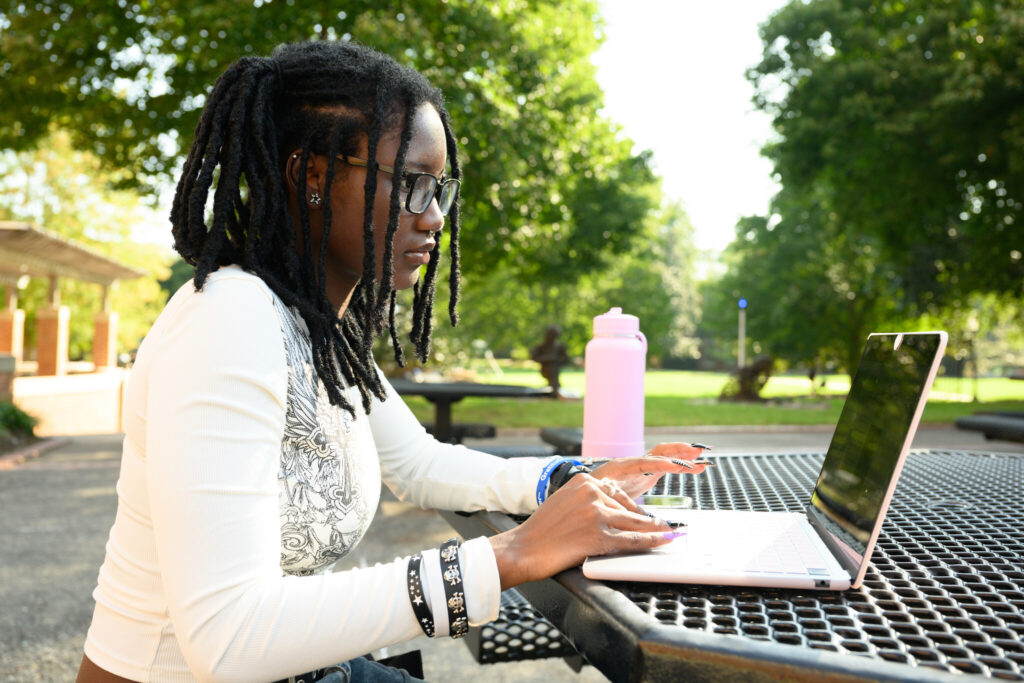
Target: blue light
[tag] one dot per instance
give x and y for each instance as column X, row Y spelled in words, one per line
column 742, row 303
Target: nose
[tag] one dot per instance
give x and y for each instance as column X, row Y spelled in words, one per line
column 431, row 220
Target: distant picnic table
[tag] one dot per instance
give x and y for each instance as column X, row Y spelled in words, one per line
column 444, row 394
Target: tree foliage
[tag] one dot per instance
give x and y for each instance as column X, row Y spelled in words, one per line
column 814, row 292
column 899, row 151
column 902, row 122
column 552, row 189
column 65, row 191
column 654, row 281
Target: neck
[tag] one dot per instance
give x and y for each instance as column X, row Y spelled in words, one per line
column 339, row 290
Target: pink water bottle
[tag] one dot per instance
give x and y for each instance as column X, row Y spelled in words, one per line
column 613, row 397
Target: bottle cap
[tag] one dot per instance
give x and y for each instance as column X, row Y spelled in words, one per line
column 616, row 322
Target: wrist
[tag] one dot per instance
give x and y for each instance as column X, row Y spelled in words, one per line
column 508, row 557
column 563, row 473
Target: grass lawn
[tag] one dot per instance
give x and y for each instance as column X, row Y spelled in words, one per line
column 684, row 398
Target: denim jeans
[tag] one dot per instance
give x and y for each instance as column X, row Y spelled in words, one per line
column 362, row 670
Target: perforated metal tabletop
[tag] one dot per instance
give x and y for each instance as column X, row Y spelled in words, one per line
column 944, row 594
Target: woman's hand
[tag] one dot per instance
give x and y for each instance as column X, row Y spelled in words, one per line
column 638, row 475
column 585, row 517
column 593, row 514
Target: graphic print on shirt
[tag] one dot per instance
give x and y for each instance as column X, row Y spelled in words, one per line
column 330, row 477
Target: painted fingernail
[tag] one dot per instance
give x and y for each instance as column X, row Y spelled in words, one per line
column 685, row 463
column 701, row 446
column 656, row 519
column 670, row 535
column 676, row 524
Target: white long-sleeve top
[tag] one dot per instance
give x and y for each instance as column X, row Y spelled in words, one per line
column 240, row 486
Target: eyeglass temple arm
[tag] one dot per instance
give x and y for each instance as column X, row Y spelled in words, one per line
column 356, row 161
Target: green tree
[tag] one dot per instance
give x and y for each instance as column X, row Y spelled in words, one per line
column 181, row 273
column 653, row 281
column 814, row 290
column 66, row 192
column 904, row 122
column 551, row 187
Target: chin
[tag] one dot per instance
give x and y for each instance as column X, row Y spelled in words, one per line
column 402, row 282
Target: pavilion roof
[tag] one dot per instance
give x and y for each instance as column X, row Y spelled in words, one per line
column 28, row 250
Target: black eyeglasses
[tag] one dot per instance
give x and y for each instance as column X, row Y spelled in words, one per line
column 422, row 187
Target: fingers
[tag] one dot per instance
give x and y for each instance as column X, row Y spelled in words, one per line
column 629, row 533
column 682, row 454
column 678, row 449
column 690, row 467
column 637, row 541
column 651, row 466
column 612, row 489
column 623, row 520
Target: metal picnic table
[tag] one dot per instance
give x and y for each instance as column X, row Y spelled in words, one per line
column 944, row 596
column 444, row 394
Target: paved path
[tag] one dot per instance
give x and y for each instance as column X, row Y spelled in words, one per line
column 55, row 514
column 56, row 511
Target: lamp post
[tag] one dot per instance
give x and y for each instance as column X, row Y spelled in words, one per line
column 973, row 326
column 741, row 354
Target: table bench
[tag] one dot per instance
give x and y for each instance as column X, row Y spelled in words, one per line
column 460, row 431
column 566, row 440
column 1007, row 426
column 519, row 633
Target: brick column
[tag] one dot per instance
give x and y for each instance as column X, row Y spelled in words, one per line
column 12, row 325
column 52, row 340
column 104, row 343
column 12, row 332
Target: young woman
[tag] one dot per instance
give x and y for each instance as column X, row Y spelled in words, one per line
column 259, row 429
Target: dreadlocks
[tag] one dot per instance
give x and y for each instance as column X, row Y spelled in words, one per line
column 320, row 97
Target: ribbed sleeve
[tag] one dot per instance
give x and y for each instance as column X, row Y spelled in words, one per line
column 421, row 470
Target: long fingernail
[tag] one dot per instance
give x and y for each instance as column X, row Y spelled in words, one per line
column 685, row 463
column 673, row 534
column 701, row 446
column 656, row 519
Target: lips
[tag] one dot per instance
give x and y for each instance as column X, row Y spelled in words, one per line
column 425, row 248
column 420, row 255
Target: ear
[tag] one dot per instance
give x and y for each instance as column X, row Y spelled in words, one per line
column 316, row 168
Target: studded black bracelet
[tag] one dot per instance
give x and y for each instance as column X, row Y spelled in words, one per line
column 419, row 603
column 454, row 593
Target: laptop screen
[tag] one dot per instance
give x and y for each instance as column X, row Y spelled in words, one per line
column 894, row 371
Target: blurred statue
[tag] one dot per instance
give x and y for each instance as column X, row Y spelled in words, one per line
column 552, row 354
column 746, row 382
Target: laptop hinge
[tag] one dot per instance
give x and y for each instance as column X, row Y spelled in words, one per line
column 814, row 516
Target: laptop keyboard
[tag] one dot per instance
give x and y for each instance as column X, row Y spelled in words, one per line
column 791, row 553
column 759, row 548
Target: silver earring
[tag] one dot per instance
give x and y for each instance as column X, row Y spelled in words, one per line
column 315, row 199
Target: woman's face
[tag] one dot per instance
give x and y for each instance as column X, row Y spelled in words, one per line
column 416, row 234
